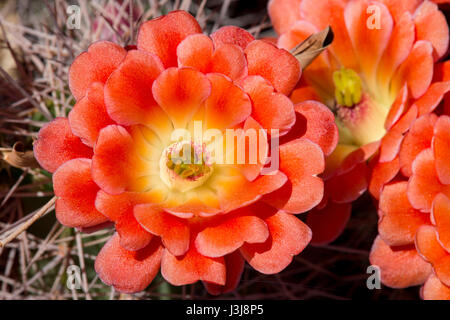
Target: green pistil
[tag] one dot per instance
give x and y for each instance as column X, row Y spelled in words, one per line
column 348, row 85
column 187, row 164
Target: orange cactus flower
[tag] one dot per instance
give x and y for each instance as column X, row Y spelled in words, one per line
column 414, row 210
column 175, row 206
column 379, row 64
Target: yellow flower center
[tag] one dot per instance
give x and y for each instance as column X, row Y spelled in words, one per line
column 348, row 87
column 185, row 166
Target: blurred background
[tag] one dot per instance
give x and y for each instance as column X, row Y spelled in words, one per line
column 38, row 42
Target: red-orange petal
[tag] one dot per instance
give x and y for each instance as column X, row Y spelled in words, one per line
column 434, row 95
column 271, row 109
column 430, row 249
column 441, row 148
column 320, row 125
column 431, row 25
column 417, row 139
column 89, row 115
column 301, row 160
column 390, row 145
column 228, row 234
column 119, row 208
column 232, row 35
column 368, row 43
column 381, row 174
column 424, row 184
column 397, row 108
column 328, row 223
column 128, row 95
column 441, row 218
column 180, row 92
column 399, row 47
column 400, row 267
column 128, row 271
column 56, row 144
column 76, row 192
column 288, row 237
column 349, row 186
column 196, row 51
column 229, row 59
column 161, row 36
column 283, row 14
column 228, row 105
column 331, row 13
column 242, row 192
column 434, row 289
column 278, row 66
column 416, row 70
column 235, row 266
column 192, row 267
column 399, row 221
column 173, row 230
column 114, row 160
column 94, row 65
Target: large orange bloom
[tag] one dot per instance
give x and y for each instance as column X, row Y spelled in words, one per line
column 376, row 77
column 414, row 207
column 114, row 157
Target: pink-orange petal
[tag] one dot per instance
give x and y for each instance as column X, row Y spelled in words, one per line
column 89, row 115
column 430, row 249
column 434, row 289
column 161, row 36
column 397, row 108
column 56, row 144
column 128, row 95
column 331, row 13
column 283, row 14
column 228, row 105
column 320, row 125
column 128, row 271
column 119, row 208
column 288, row 237
column 301, row 160
column 229, row 234
column 399, row 47
column 243, row 192
column 399, row 221
column 278, row 66
column 94, row 65
column 113, row 159
column 416, row 70
column 232, row 35
column 76, row 192
column 229, row 59
column 196, row 51
column 431, row 25
column 434, row 95
column 381, row 174
column 368, row 42
column 400, row 267
column 132, row 235
column 173, row 231
column 424, row 184
column 417, row 139
column 441, row 148
column 441, row 218
column 180, row 92
column 271, row 109
column 192, row 267
column 235, row 266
